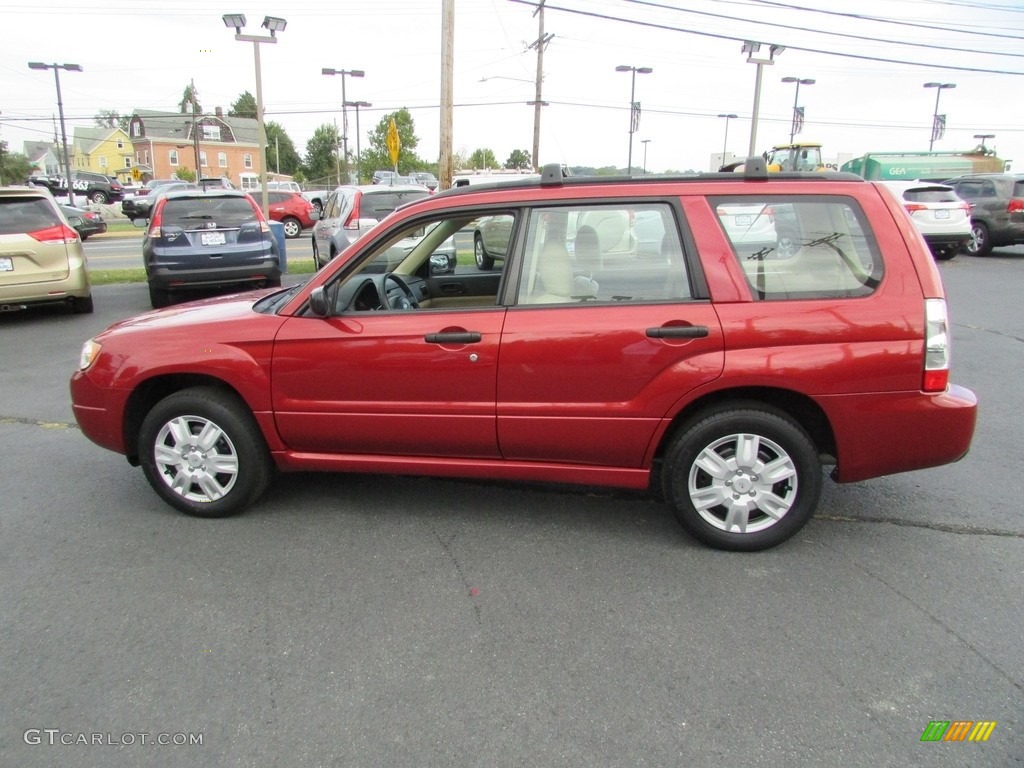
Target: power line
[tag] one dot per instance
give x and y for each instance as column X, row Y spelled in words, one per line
column 831, row 34
column 733, row 38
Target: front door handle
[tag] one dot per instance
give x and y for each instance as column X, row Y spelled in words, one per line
column 453, row 337
column 678, row 332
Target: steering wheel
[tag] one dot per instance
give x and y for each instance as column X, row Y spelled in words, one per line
column 406, row 301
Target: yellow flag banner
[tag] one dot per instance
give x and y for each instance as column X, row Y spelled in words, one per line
column 394, row 143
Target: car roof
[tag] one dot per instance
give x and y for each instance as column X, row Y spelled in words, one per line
column 905, row 185
column 215, row 192
column 28, row 190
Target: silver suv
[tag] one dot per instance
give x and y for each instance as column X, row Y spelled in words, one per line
column 351, row 211
column 997, row 209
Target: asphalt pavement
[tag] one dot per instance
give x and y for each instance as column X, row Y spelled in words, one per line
column 360, row 620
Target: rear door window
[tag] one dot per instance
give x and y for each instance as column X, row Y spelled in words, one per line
column 801, row 247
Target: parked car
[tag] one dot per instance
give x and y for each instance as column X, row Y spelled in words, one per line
column 317, row 197
column 96, row 187
column 721, row 383
column 41, row 256
column 428, row 180
column 383, row 176
column 351, row 211
column 86, row 223
column 282, row 186
column 942, row 218
column 138, row 208
column 997, row 209
column 216, row 182
column 291, row 209
column 208, row 239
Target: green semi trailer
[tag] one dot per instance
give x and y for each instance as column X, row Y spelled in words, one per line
column 926, row 166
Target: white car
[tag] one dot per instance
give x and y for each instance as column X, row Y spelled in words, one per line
column 938, row 213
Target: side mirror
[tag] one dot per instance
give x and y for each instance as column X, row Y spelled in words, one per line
column 318, row 303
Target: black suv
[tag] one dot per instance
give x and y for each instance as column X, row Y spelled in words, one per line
column 997, row 209
column 96, row 187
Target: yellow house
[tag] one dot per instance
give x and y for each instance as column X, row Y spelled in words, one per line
column 103, row 150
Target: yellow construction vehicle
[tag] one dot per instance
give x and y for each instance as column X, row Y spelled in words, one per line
column 800, row 156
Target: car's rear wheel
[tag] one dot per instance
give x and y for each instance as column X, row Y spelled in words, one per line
column 158, row 297
column 82, row 305
column 292, row 227
column 203, row 454
column 483, row 261
column 99, row 197
column 742, row 477
column 980, row 243
column 945, row 253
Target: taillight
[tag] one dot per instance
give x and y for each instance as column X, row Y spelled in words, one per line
column 913, row 207
column 353, row 218
column 936, row 346
column 1016, row 205
column 58, row 233
column 156, row 219
column 965, row 207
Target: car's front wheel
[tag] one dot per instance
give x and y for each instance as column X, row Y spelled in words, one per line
column 99, row 197
column 742, row 477
column 292, row 227
column 980, row 243
column 483, row 261
column 203, row 454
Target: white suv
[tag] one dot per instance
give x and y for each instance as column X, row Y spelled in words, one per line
column 938, row 213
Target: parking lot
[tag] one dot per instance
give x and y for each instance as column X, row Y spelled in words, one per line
column 364, row 620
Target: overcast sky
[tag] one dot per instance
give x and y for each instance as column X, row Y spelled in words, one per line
column 141, row 54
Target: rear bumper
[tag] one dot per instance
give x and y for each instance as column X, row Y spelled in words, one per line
column 886, row 433
column 171, row 279
column 945, row 240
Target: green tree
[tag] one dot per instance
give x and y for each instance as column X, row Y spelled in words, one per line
column 111, row 118
column 377, row 157
column 244, row 106
column 519, row 159
column 282, row 156
column 483, row 158
column 321, row 165
column 186, row 174
column 15, row 168
column 188, row 97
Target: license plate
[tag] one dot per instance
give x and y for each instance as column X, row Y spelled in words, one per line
column 743, row 221
column 6, row 265
column 942, row 214
column 212, row 238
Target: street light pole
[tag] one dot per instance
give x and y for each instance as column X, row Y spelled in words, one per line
column 359, row 152
column 725, row 141
column 936, row 133
column 645, row 142
column 344, row 112
column 274, row 25
column 793, row 128
column 60, row 109
column 751, row 48
column 634, row 109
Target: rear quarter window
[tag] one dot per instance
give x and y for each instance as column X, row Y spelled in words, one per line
column 801, row 247
column 25, row 214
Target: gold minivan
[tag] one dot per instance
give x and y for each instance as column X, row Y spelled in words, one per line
column 41, row 256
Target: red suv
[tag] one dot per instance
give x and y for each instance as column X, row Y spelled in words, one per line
column 289, row 208
column 718, row 371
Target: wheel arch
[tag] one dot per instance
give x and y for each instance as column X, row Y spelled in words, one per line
column 152, row 391
column 798, row 407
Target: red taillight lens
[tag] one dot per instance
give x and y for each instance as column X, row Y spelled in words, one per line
column 936, row 346
column 156, row 219
column 58, row 233
column 353, row 218
column 912, row 207
column 1016, row 205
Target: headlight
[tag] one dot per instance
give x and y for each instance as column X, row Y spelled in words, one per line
column 90, row 351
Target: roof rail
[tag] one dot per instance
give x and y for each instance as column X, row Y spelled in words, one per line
column 551, row 175
column 755, row 168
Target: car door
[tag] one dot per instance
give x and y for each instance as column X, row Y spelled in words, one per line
column 373, row 381
column 596, row 350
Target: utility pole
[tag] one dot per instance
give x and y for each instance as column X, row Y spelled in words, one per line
column 444, row 164
column 540, row 44
column 195, row 131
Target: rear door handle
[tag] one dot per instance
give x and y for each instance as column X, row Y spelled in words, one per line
column 678, row 332
column 453, row 337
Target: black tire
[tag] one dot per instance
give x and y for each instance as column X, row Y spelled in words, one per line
column 179, row 470
column 483, row 261
column 944, row 254
column 717, row 438
column 83, row 237
column 292, row 227
column 159, row 298
column 99, row 197
column 82, row 305
column 318, row 207
column 980, row 243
